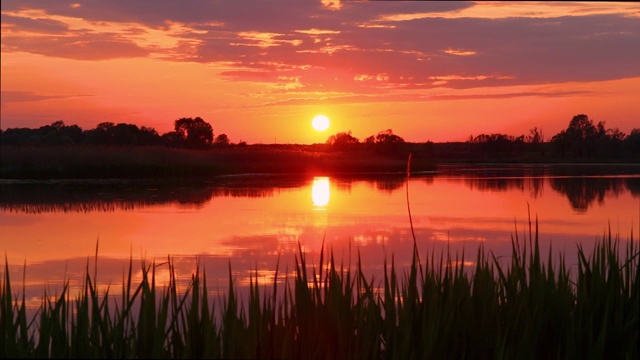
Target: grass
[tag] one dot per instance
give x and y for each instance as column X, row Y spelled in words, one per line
column 524, row 307
column 79, row 162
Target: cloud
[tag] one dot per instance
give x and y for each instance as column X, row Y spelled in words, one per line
column 459, row 52
column 510, row 95
column 317, row 32
column 28, row 96
column 332, row 4
column 415, row 44
column 243, row 75
column 37, row 25
column 347, row 98
column 520, row 9
column 89, row 48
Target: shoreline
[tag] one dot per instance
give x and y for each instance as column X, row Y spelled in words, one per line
column 156, row 163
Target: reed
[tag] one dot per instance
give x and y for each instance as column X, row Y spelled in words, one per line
column 529, row 306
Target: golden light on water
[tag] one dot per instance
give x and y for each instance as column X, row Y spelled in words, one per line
column 320, row 192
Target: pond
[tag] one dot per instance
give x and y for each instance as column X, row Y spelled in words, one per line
column 259, row 223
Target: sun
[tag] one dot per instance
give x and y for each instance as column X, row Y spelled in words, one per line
column 320, row 123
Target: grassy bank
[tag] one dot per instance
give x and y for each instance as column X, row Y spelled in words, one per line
column 145, row 162
column 162, row 162
column 522, row 307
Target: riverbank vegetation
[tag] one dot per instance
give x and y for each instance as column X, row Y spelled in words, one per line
column 191, row 150
column 79, row 162
column 527, row 306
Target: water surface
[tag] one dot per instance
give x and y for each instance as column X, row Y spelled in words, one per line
column 254, row 222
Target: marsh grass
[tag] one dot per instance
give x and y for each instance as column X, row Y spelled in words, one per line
column 80, row 162
column 525, row 306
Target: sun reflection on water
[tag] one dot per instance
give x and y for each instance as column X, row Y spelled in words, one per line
column 320, row 192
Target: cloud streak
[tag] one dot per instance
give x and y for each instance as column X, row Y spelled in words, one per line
column 7, row 97
column 356, row 99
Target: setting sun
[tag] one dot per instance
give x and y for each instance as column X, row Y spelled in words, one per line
column 320, row 123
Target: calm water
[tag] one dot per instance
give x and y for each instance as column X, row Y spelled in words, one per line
column 252, row 221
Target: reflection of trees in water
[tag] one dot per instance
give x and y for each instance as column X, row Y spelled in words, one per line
column 87, row 198
column 633, row 184
column 107, row 197
column 535, row 186
column 83, row 197
column 581, row 183
column 500, row 178
column 582, row 192
column 577, row 170
column 493, row 184
column 390, row 184
column 343, row 185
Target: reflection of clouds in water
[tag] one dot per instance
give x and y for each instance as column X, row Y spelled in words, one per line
column 320, row 191
column 264, row 252
column 287, row 233
column 370, row 239
column 260, row 277
column 446, row 236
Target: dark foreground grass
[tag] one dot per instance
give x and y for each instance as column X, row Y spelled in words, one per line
column 517, row 308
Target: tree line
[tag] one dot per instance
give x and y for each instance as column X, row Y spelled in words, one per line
column 582, row 139
column 385, row 141
column 191, row 133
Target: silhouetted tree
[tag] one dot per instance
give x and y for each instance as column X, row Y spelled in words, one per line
column 222, row 140
column 101, row 135
column 611, row 143
column 342, row 140
column 125, row 134
column 536, row 136
column 535, row 139
column 584, row 139
column 149, row 136
column 632, row 143
column 15, row 136
column 172, row 139
column 195, row 133
column 579, row 138
column 388, row 142
column 498, row 145
column 388, row 137
column 107, row 133
column 59, row 134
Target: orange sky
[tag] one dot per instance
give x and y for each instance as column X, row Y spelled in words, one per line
column 260, row 71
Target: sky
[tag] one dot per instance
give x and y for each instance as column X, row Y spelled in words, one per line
column 259, row 71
